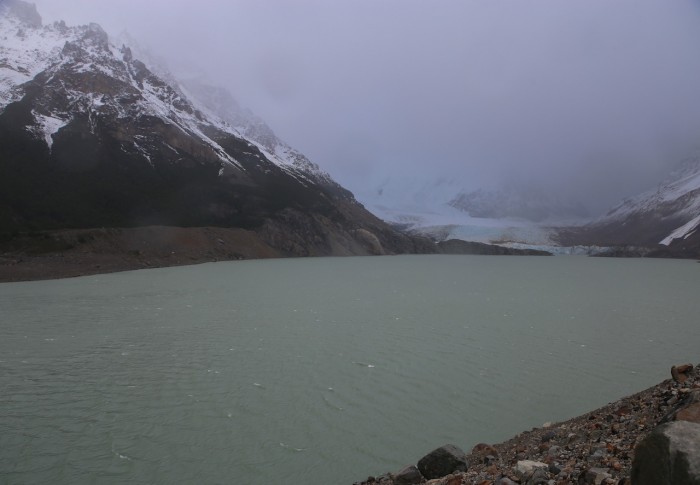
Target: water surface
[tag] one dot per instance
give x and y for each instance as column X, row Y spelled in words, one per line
column 321, row 370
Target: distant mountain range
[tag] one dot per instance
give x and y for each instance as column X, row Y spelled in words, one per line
column 667, row 215
column 90, row 136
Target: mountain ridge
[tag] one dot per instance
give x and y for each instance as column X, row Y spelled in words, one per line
column 665, row 217
column 90, row 137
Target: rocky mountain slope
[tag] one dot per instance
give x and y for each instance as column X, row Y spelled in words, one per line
column 666, row 216
column 91, row 137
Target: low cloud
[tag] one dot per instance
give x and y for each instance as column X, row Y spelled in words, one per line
column 596, row 98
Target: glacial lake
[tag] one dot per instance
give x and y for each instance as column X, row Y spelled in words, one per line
column 322, row 371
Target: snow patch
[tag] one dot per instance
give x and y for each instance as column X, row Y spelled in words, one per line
column 48, row 126
column 24, row 56
column 682, row 232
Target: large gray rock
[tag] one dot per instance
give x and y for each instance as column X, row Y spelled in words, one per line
column 442, row 461
column 525, row 468
column 670, row 455
column 408, row 476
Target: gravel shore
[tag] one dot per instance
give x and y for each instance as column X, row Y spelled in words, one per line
column 596, row 448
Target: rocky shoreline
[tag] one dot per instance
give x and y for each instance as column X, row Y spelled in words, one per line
column 649, row 438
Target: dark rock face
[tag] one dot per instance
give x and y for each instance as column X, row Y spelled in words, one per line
column 670, row 455
column 442, row 461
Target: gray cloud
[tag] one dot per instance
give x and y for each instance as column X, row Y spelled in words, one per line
column 596, row 96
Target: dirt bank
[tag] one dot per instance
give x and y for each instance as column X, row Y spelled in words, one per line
column 63, row 254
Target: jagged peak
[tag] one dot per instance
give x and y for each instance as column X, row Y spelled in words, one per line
column 84, row 49
column 95, row 33
column 25, row 12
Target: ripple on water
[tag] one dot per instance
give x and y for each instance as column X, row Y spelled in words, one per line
column 197, row 374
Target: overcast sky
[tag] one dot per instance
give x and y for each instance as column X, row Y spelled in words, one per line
column 597, row 96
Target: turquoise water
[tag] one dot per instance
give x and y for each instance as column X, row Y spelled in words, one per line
column 325, row 370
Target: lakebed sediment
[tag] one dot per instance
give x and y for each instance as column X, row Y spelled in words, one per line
column 596, row 448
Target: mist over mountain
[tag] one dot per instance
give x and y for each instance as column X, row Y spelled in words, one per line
column 594, row 99
column 532, row 203
column 91, row 137
column 496, row 160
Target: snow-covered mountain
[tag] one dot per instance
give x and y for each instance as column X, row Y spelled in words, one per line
column 667, row 214
column 220, row 102
column 91, row 137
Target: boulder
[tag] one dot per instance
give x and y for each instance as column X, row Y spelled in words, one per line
column 538, row 477
column 484, row 449
column 680, row 372
column 594, row 476
column 409, row 475
column 553, row 451
column 525, row 468
column 442, row 461
column 670, row 455
column 484, row 453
